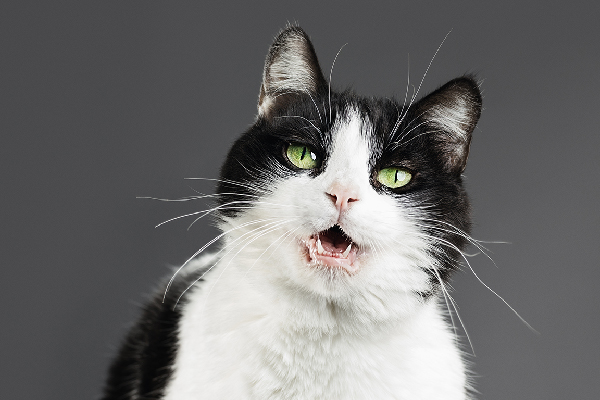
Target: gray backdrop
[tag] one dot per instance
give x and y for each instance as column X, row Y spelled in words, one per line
column 102, row 102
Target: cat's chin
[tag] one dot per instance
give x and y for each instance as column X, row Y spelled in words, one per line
column 332, row 249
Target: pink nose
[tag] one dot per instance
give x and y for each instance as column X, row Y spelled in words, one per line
column 342, row 197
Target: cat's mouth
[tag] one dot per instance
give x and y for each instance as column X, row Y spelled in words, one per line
column 334, row 249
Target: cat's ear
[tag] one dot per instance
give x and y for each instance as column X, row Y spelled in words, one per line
column 450, row 113
column 291, row 68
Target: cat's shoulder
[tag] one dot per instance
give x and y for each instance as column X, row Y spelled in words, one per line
column 145, row 357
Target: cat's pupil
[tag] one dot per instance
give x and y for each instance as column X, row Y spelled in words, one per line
column 303, row 153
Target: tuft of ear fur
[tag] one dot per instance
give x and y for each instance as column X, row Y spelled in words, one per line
column 452, row 111
column 291, row 67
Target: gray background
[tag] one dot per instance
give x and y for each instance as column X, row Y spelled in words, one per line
column 104, row 102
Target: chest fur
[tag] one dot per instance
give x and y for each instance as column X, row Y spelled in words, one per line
column 255, row 347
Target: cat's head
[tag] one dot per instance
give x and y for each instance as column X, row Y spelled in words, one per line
column 338, row 194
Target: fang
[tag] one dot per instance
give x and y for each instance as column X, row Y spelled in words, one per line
column 320, row 248
column 347, row 251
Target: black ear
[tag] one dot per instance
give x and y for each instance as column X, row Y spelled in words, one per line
column 291, row 67
column 451, row 113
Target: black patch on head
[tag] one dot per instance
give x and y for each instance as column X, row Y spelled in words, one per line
column 430, row 138
column 258, row 158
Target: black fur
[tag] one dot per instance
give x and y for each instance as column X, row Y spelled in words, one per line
column 142, row 368
column 259, row 155
column 402, row 136
column 308, row 116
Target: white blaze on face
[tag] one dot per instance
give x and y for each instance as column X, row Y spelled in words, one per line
column 348, row 171
column 387, row 249
column 345, row 179
column 347, row 168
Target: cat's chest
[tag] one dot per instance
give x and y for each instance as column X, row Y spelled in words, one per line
column 253, row 348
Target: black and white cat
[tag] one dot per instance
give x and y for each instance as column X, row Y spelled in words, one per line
column 342, row 218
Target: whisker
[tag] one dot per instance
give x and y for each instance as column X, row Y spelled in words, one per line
column 459, row 232
column 315, row 103
column 416, row 93
column 226, row 206
column 403, row 134
column 246, row 185
column 306, row 119
column 330, row 73
column 399, row 119
column 246, row 244
column 475, row 243
column 406, row 91
column 199, row 251
column 198, row 197
column 429, row 66
column 397, row 145
column 308, row 92
column 451, row 245
column 283, row 237
column 231, row 246
column 447, row 297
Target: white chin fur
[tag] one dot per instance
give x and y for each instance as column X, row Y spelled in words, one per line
column 390, row 252
column 268, row 323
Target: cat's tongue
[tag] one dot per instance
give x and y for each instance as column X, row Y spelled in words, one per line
column 333, row 248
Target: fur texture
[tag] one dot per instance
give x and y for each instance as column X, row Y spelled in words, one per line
column 265, row 317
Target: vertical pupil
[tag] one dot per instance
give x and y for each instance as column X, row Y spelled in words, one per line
column 396, row 176
column 303, row 153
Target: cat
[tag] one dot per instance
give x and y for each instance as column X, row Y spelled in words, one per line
column 343, row 218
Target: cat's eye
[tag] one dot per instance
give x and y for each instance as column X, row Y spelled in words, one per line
column 394, row 177
column 302, row 156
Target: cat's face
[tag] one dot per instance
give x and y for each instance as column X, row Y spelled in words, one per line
column 338, row 194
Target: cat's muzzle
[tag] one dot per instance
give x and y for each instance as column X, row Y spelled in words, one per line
column 333, row 248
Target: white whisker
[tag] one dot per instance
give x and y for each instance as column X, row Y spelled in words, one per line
column 198, row 197
column 429, row 66
column 231, row 246
column 245, row 185
column 246, row 244
column 284, row 236
column 416, row 93
column 199, row 251
column 330, row 73
column 451, row 245
column 305, row 119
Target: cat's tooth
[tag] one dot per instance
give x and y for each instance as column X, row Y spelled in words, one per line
column 347, row 251
column 320, row 248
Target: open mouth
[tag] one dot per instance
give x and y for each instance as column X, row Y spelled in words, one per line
column 333, row 248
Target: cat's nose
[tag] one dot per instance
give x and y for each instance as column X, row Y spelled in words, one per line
column 342, row 196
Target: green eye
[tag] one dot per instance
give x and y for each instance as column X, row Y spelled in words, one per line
column 302, row 156
column 394, row 177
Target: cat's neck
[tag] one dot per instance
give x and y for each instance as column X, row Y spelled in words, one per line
column 296, row 342
column 231, row 297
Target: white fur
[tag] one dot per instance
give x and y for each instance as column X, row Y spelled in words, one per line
column 265, row 325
